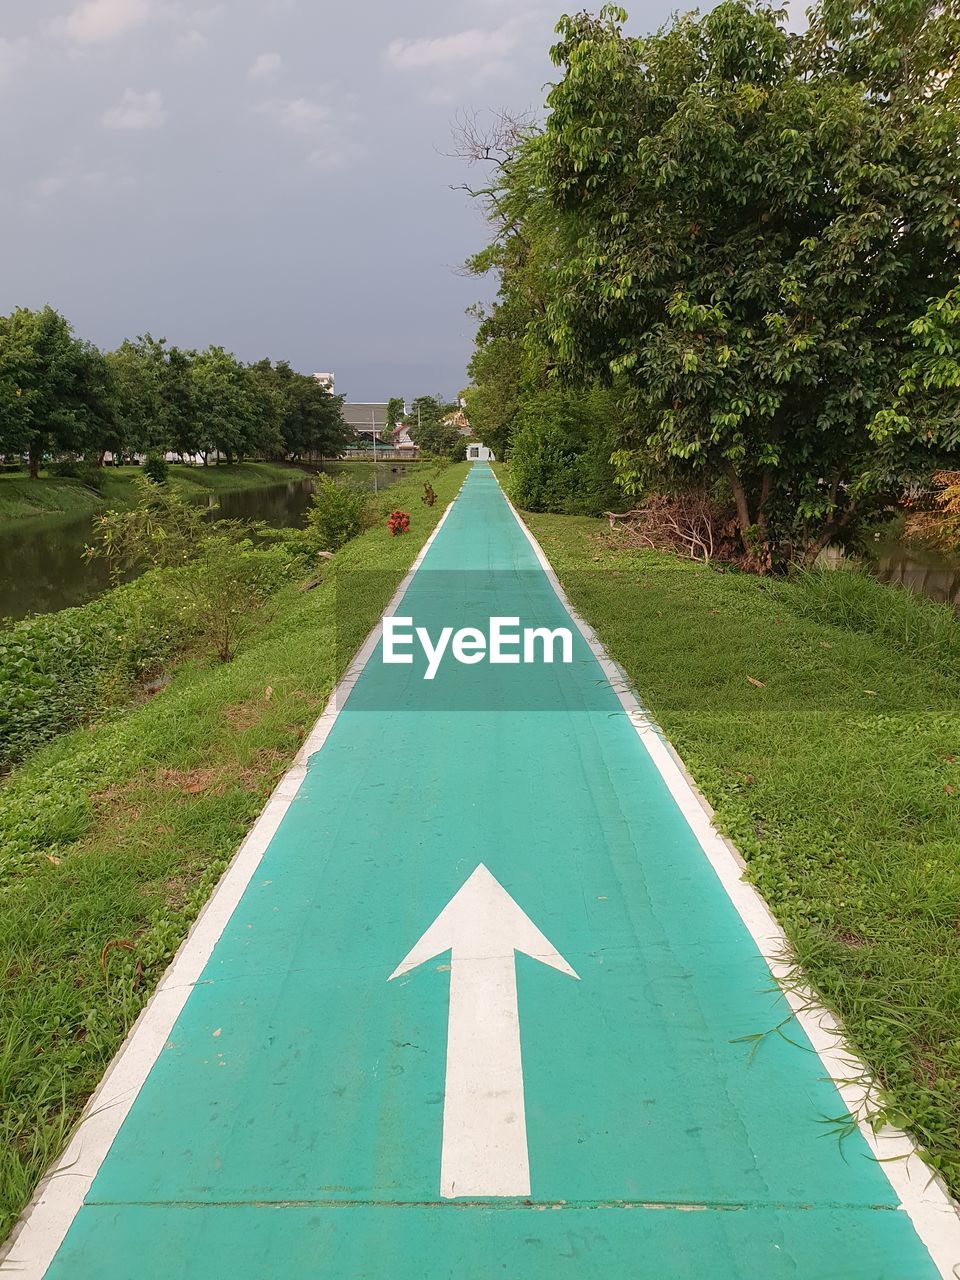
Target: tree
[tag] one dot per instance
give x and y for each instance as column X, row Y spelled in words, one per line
column 177, row 402
column 310, row 419
column 265, row 408
column 430, row 432
column 221, row 404
column 137, row 372
column 496, row 367
column 54, row 388
column 395, row 411
column 753, row 223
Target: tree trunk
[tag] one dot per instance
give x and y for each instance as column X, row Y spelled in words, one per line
column 830, row 531
column 35, row 454
column 743, row 507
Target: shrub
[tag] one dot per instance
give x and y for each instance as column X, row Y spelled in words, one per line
column 67, row 467
column 157, row 468
column 61, row 669
column 161, row 531
column 398, row 522
column 338, row 512
column 224, row 590
column 560, row 454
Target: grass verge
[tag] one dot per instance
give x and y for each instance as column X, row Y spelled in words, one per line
column 22, row 498
column 111, row 838
column 821, row 718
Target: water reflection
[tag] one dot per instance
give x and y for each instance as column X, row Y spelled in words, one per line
column 924, row 572
column 41, row 559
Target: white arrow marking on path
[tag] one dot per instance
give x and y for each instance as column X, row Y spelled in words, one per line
column 484, row 1124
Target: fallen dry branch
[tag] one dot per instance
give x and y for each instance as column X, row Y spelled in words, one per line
column 691, row 524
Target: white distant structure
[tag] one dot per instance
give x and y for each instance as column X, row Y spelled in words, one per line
column 479, row 453
column 402, row 439
column 326, row 381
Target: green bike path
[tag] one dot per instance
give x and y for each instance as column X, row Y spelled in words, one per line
column 293, row 1122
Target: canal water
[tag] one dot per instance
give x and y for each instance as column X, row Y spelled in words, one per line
column 926, row 572
column 42, row 567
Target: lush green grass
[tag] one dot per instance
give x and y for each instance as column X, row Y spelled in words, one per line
column 111, row 838
column 837, row 775
column 21, row 497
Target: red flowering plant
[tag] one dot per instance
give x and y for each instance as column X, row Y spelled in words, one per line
column 398, row 522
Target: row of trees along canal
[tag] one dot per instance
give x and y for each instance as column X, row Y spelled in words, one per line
column 729, row 266
column 60, row 395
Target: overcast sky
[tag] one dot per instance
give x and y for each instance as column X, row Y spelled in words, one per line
column 267, row 175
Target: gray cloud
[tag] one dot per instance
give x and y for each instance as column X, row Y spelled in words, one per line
column 136, row 111
column 265, row 66
column 94, row 21
column 297, row 201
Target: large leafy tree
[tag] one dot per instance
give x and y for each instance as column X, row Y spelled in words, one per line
column 54, row 388
column 751, row 225
column 310, row 419
column 222, row 404
column 177, row 402
column 137, row 370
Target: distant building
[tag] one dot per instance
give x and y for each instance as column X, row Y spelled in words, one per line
column 401, row 440
column 326, row 381
column 367, row 420
column 479, row 453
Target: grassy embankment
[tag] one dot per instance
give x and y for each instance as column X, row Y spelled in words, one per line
column 821, row 718
column 111, row 838
column 21, row 497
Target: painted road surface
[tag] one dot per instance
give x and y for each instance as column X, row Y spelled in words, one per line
column 476, row 865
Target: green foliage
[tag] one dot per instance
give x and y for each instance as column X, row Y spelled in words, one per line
column 61, row 669
column 738, row 199
column 927, row 402
column 310, row 420
column 54, row 391
column 560, row 453
column 225, row 588
column 64, row 669
column 59, row 395
column 162, row 530
column 750, row 236
column 156, row 468
column 395, row 410
column 429, row 430
column 339, row 511
column 222, row 580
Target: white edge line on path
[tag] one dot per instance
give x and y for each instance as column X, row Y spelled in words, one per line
column 34, row 1242
column 921, row 1191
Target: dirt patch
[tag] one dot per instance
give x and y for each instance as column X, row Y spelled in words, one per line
column 178, row 890
column 925, row 1071
column 851, row 939
column 267, row 764
column 192, row 782
column 243, row 716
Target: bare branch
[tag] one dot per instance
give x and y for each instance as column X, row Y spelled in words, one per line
column 489, row 137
